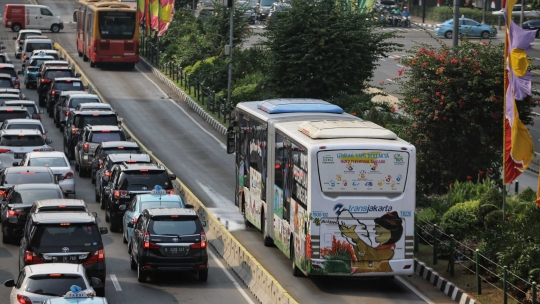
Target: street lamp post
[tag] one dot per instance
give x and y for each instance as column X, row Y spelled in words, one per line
column 484, row 12
column 231, row 8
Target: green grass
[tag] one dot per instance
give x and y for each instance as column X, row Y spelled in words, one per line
column 192, row 95
column 463, row 277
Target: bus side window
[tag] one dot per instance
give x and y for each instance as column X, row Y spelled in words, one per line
column 280, row 166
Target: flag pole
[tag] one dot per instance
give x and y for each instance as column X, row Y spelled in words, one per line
column 504, row 110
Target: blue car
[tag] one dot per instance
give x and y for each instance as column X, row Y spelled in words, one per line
column 467, row 27
column 156, row 199
column 30, row 71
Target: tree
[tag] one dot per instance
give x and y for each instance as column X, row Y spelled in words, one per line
column 454, row 100
column 319, row 50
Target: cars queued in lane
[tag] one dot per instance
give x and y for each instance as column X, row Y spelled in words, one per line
column 60, row 240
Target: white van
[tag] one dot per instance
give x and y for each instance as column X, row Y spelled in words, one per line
column 35, row 44
column 28, row 16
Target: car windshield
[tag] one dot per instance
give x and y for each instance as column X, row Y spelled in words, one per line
column 31, row 46
column 175, row 226
column 77, row 101
column 22, row 141
column 13, row 115
column 58, row 73
column 68, row 235
column 3, row 59
column 137, row 180
column 30, row 196
column 16, row 178
column 9, row 71
column 38, row 62
column 116, row 25
column 53, row 285
column 69, row 86
column 98, row 120
column 106, row 136
column 24, row 35
column 48, row 162
column 25, row 126
column 30, row 108
column 158, row 204
column 6, row 83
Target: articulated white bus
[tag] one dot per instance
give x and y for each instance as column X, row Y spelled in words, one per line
column 336, row 193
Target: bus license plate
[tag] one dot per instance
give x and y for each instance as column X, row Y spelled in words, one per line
column 117, row 57
column 176, row 251
column 19, row 155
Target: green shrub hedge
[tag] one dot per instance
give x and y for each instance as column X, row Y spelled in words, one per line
column 443, row 13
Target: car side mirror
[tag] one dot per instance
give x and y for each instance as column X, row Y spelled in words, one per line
column 231, row 140
column 15, row 164
column 107, row 190
column 130, row 224
column 94, row 282
column 9, row 283
column 19, row 72
column 78, row 75
column 94, row 214
column 103, row 230
column 189, row 206
column 41, row 112
column 172, row 176
column 48, row 141
column 122, row 208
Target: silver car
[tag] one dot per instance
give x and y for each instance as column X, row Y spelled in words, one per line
column 19, row 40
column 24, row 123
column 15, row 143
column 59, row 165
column 73, row 100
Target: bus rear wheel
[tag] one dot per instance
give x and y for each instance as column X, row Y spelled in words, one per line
column 92, row 64
column 295, row 270
column 267, row 241
column 84, row 58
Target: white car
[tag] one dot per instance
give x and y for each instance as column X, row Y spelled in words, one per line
column 53, row 53
column 517, row 12
column 40, row 282
column 59, row 165
column 24, row 123
column 15, row 143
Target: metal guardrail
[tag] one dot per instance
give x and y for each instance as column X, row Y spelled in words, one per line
column 485, row 270
column 206, row 96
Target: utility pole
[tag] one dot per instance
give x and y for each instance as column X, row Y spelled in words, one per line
column 522, row 15
column 455, row 31
column 423, row 11
column 484, row 12
column 230, row 5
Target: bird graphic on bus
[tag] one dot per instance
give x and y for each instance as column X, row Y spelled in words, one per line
column 338, row 177
column 373, row 167
column 363, row 174
column 380, row 183
column 349, row 166
column 388, row 178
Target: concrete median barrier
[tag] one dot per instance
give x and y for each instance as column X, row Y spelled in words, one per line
column 263, row 285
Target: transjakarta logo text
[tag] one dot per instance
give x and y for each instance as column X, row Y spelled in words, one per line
column 362, row 209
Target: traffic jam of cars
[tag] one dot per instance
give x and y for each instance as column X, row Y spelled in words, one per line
column 61, row 251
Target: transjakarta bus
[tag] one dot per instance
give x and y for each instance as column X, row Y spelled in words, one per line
column 107, row 32
column 338, row 193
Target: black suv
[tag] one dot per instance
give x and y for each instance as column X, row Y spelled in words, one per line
column 128, row 180
column 111, row 147
column 76, row 121
column 45, row 79
column 62, row 84
column 17, row 206
column 168, row 239
column 65, row 237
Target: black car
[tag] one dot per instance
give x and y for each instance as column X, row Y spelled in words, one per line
column 532, row 25
column 62, row 84
column 168, row 239
column 59, row 205
column 18, row 203
column 45, row 79
column 76, row 121
column 128, row 180
column 7, row 68
column 65, row 237
column 6, row 82
column 111, row 147
column 26, row 175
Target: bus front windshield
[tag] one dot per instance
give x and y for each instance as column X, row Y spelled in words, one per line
column 116, row 25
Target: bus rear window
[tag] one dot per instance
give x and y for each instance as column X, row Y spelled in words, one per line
column 362, row 171
column 116, row 25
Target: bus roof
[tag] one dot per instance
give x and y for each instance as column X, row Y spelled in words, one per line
column 289, row 108
column 325, row 132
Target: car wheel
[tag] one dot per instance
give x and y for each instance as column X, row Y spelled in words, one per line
column 96, row 197
column 202, row 275
column 55, row 29
column 124, row 239
column 448, row 35
column 141, row 276
column 41, row 101
column 101, row 202
column 16, row 27
column 107, row 219
column 5, row 238
column 485, row 35
column 132, row 261
column 113, row 225
column 93, row 177
column 26, row 85
column 100, row 292
column 50, row 113
column 77, row 168
column 82, row 172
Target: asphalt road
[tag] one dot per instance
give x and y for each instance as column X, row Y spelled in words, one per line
column 196, row 154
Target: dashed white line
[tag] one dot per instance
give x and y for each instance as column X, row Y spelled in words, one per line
column 416, row 291
column 115, row 282
column 187, row 114
column 230, row 276
column 390, row 80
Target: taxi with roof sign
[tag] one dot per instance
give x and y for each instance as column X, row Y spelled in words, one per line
column 31, row 70
column 158, row 198
column 14, row 144
column 50, row 281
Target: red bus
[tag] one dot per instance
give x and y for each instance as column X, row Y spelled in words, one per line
column 107, row 32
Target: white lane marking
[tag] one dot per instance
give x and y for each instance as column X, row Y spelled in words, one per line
column 115, row 283
column 188, row 115
column 390, row 80
column 400, row 65
column 416, row 291
column 242, row 292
